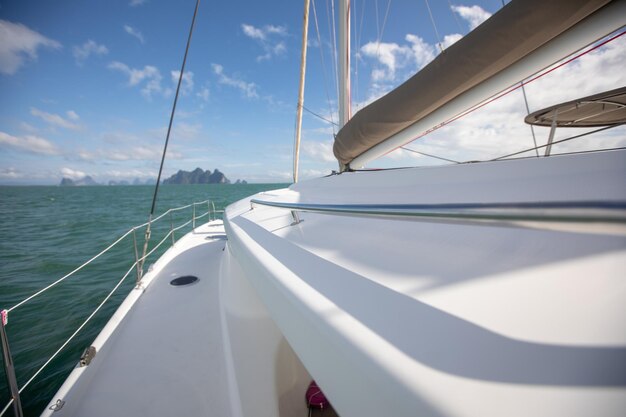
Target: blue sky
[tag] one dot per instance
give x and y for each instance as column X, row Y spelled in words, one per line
column 87, row 87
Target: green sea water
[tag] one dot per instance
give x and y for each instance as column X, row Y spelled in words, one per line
column 46, row 232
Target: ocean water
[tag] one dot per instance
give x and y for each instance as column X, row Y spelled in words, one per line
column 46, row 232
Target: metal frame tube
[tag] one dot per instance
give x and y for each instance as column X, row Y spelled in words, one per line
column 137, row 265
column 193, row 217
column 172, row 229
column 9, row 369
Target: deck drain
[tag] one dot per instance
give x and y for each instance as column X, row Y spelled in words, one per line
column 185, row 280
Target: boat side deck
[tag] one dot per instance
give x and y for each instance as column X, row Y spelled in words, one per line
column 437, row 318
column 166, row 357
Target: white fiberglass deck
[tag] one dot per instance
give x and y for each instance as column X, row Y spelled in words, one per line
column 424, row 317
column 166, row 356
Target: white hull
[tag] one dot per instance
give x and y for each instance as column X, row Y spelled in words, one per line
column 395, row 316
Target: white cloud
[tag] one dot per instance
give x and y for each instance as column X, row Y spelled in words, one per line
column 149, row 76
column 423, row 52
column 72, row 173
column 321, row 151
column 498, row 129
column 187, row 84
column 203, row 94
column 131, row 173
column 314, row 173
column 134, row 32
column 55, row 119
column 28, row 128
column 449, row 40
column 10, row 173
column 28, row 143
column 81, row 53
column 187, row 131
column 267, row 38
column 474, row 15
column 18, row 44
column 253, row 32
column 135, row 3
column 393, row 56
column 248, row 89
column 279, row 30
column 129, row 153
column 71, row 114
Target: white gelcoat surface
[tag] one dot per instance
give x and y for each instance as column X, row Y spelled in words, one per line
column 165, row 355
column 440, row 318
column 390, row 317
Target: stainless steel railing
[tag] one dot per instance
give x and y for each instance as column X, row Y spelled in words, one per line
column 14, row 389
column 575, row 212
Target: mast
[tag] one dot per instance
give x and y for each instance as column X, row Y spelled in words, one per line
column 344, row 62
column 305, row 34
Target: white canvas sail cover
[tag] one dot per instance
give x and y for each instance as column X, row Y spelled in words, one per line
column 516, row 30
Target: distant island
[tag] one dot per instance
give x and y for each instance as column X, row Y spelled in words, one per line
column 87, row 180
column 197, row 176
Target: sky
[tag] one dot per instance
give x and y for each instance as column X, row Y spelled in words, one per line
column 86, row 88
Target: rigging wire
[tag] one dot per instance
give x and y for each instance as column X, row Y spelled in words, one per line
column 432, row 20
column 332, row 30
column 510, row 90
column 532, row 128
column 331, row 122
column 377, row 21
column 358, row 48
column 324, row 73
column 559, row 141
column 456, row 19
column 169, row 129
column 381, row 32
column 430, row 155
column 356, row 41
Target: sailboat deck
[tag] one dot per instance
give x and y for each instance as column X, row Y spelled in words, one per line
column 456, row 318
column 166, row 357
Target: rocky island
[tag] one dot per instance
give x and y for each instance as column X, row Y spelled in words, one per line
column 87, row 180
column 197, row 176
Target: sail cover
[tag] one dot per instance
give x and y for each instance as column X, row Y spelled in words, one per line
column 516, row 30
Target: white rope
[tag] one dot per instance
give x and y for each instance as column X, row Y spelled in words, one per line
column 55, row 354
column 202, row 215
column 6, row 407
column 79, row 329
column 69, row 274
column 157, row 246
column 97, row 256
column 181, row 226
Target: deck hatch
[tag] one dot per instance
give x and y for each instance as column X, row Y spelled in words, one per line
column 184, row 280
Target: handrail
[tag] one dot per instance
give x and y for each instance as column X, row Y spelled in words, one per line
column 571, row 212
column 138, row 261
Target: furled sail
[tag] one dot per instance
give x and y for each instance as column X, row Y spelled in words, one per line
column 515, row 31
